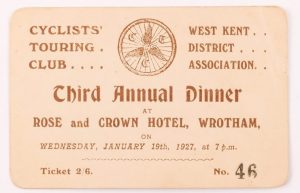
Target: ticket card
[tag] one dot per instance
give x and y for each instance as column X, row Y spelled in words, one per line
column 162, row 97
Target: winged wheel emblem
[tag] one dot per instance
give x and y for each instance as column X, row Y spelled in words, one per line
column 148, row 48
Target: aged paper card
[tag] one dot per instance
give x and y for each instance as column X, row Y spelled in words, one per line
column 185, row 97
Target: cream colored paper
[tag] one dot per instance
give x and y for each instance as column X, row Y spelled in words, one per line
column 185, row 97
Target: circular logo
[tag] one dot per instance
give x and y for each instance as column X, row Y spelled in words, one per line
column 147, row 47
